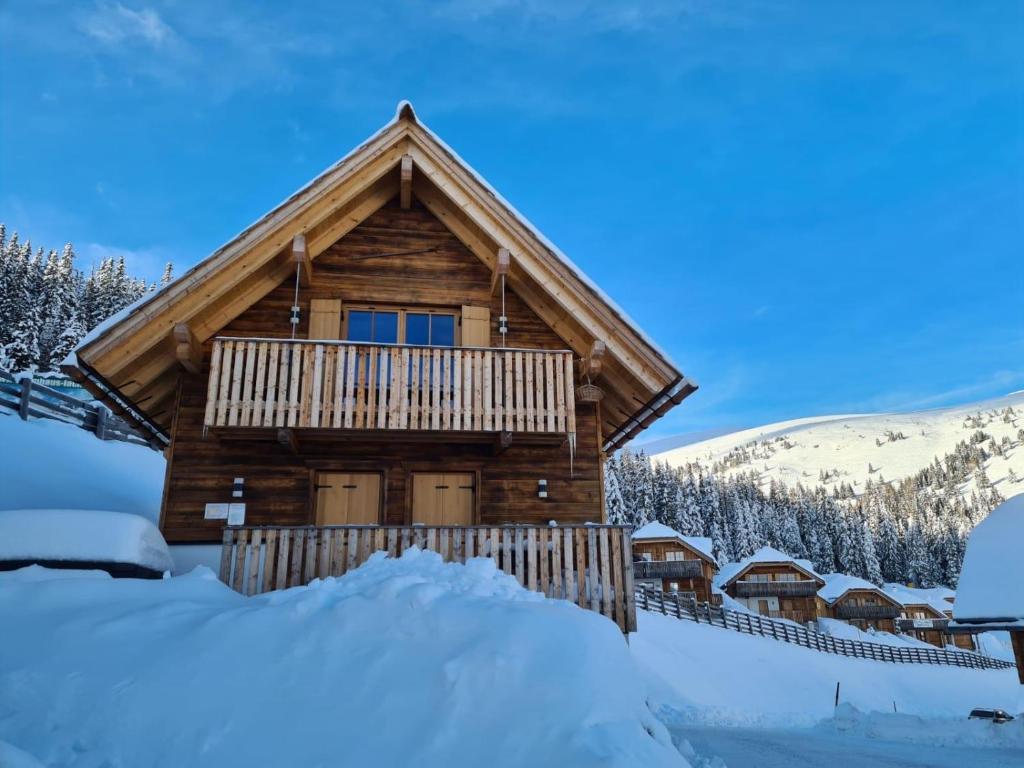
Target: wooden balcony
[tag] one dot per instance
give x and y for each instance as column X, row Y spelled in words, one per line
column 667, row 569
column 852, row 611
column 585, row 564
column 908, row 625
column 270, row 384
column 802, row 588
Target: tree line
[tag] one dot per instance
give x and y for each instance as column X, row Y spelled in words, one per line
column 912, row 531
column 47, row 304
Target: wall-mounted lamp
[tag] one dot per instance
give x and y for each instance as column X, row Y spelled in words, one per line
column 542, row 489
column 237, row 487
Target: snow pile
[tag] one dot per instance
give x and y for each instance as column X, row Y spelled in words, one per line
column 992, row 576
column 713, row 676
column 49, row 464
column 952, row 732
column 846, row 631
column 401, row 662
column 84, row 535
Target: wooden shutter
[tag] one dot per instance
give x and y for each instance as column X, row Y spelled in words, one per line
column 325, row 319
column 348, row 498
column 476, row 326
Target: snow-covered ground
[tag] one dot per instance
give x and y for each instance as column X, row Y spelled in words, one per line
column 51, row 465
column 848, row 444
column 400, row 662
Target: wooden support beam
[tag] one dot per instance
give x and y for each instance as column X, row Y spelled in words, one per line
column 405, row 192
column 187, row 349
column 593, row 362
column 501, row 266
column 289, row 440
column 301, row 257
column 502, row 442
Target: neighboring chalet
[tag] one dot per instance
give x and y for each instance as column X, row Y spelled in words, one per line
column 860, row 603
column 990, row 595
column 926, row 615
column 665, row 559
column 393, row 347
column 774, row 584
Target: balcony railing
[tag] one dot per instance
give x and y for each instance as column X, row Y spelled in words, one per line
column 907, row 625
column 803, row 588
column 585, row 564
column 667, row 569
column 350, row 385
column 851, row 611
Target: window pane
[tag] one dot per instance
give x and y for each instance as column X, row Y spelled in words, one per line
column 417, row 328
column 442, row 330
column 385, row 327
column 359, row 325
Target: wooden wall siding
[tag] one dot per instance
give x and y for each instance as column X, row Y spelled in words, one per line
column 588, row 565
column 278, row 483
column 260, row 383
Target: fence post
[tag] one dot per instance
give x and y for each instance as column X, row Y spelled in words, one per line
column 101, row 422
column 26, row 393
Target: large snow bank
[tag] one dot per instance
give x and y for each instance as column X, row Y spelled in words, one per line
column 992, row 577
column 400, row 662
column 85, row 535
column 49, row 464
column 710, row 675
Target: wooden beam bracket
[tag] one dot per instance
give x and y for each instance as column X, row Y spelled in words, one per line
column 289, row 440
column 187, row 349
column 590, row 366
column 301, row 256
column 501, row 267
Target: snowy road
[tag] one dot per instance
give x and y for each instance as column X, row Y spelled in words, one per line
column 757, row 748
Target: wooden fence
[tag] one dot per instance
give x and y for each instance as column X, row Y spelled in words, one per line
column 31, row 400
column 587, row 564
column 347, row 385
column 688, row 609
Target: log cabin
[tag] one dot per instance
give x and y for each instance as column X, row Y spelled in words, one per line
column 666, row 560
column 774, row 584
column 860, row 603
column 927, row 614
column 392, row 356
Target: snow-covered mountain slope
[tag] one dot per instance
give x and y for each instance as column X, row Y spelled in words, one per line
column 852, row 448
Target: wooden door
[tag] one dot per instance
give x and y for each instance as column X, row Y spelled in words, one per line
column 442, row 499
column 348, row 498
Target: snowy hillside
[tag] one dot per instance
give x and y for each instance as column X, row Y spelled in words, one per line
column 830, row 450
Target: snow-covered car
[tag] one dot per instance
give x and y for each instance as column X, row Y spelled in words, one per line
column 995, row 715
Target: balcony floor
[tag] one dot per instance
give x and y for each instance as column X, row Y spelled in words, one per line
column 298, row 436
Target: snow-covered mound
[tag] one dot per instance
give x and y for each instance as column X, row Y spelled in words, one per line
column 401, row 662
column 853, row 448
column 51, row 465
column 702, row 674
column 82, row 535
column 992, row 578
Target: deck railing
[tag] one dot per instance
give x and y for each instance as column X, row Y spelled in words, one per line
column 350, row 385
column 908, row 625
column 853, row 611
column 667, row 569
column 586, row 564
column 803, row 588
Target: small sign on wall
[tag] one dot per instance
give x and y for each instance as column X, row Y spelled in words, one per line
column 216, row 512
column 236, row 514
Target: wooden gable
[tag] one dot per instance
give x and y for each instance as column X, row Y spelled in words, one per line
column 134, row 363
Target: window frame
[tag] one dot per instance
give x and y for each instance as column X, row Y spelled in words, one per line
column 403, row 311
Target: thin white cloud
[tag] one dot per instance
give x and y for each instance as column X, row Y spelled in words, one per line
column 116, row 24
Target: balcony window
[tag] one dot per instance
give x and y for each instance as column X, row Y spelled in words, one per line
column 400, row 326
column 785, row 577
column 674, row 556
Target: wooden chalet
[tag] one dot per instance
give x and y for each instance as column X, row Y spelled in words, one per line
column 392, row 356
column 666, row 560
column 774, row 584
column 860, row 603
column 927, row 614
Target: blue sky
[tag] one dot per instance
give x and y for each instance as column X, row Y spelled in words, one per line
column 816, row 207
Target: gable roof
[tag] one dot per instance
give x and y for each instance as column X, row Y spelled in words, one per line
column 933, row 597
column 764, row 556
column 130, row 361
column 839, row 584
column 655, row 531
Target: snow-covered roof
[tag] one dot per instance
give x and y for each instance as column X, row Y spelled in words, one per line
column 655, row 530
column 765, row 555
column 992, row 576
column 933, row 597
column 82, row 535
column 838, row 584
